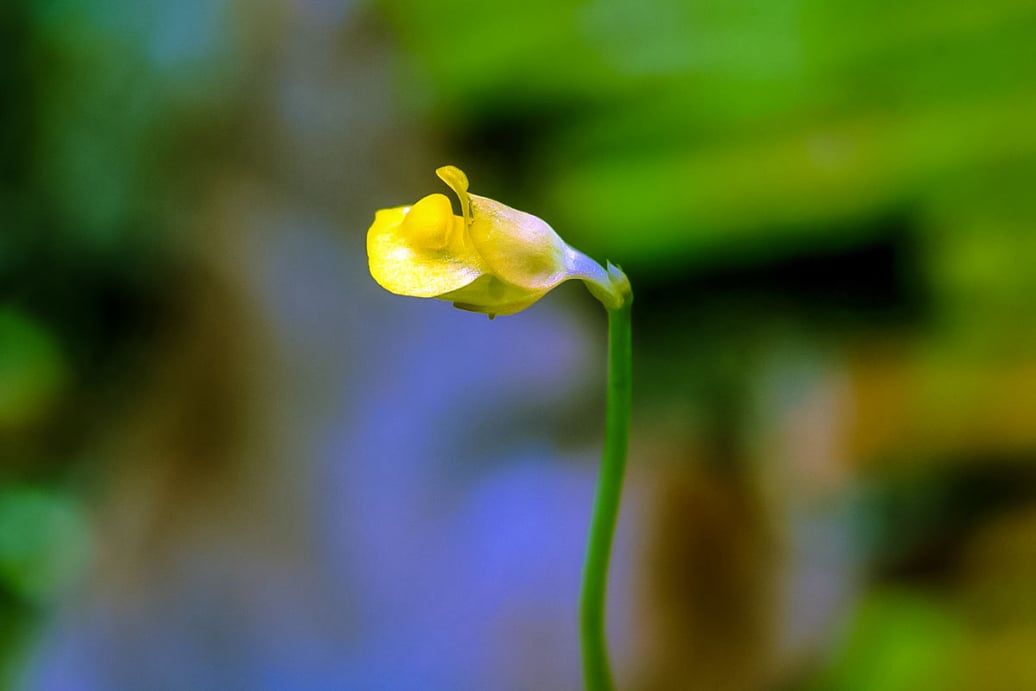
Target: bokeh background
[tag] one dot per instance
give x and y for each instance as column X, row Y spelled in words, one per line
column 228, row 460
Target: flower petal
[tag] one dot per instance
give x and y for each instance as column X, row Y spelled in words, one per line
column 519, row 247
column 421, row 256
column 492, row 296
column 458, row 182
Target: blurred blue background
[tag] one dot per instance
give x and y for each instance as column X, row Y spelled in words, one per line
column 229, row 460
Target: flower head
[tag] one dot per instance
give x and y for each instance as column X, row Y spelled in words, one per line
column 491, row 259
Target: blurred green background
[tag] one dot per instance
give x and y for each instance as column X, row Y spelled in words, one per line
column 828, row 214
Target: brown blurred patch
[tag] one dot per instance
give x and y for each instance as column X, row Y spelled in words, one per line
column 707, row 591
column 909, row 402
column 185, row 455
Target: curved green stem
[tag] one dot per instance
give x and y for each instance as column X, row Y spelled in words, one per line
column 596, row 671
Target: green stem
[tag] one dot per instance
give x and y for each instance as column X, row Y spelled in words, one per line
column 596, row 671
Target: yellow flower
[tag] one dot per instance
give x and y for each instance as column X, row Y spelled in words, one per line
column 491, row 259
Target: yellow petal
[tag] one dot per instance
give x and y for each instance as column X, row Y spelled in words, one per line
column 492, row 296
column 428, row 224
column 519, row 247
column 425, row 256
column 458, row 182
